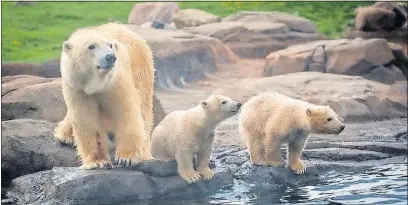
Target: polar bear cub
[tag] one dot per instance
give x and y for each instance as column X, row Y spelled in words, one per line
column 183, row 134
column 271, row 119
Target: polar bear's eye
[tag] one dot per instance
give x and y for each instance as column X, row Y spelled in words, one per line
column 223, row 102
column 329, row 119
column 91, row 47
column 110, row 45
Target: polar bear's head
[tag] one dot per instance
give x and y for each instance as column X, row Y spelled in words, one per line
column 323, row 120
column 220, row 107
column 88, row 60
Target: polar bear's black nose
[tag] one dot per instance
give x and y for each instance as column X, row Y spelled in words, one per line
column 110, row 58
column 239, row 105
column 342, row 127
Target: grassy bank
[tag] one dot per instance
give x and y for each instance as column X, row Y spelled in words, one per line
column 35, row 33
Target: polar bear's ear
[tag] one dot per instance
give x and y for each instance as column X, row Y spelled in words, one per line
column 66, row 46
column 203, row 104
column 309, row 112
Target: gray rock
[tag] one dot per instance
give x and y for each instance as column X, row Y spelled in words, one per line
column 28, row 146
column 75, row 186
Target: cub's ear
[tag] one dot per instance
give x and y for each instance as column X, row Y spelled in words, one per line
column 66, row 46
column 203, row 104
column 309, row 112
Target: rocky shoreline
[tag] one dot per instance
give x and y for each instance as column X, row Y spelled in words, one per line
column 361, row 146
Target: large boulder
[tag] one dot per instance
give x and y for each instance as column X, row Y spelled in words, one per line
column 28, row 146
column 353, row 97
column 398, row 36
column 182, row 57
column 153, row 11
column 295, row 23
column 48, row 69
column 373, row 59
column 35, row 97
column 74, row 186
column 256, row 34
column 193, row 17
column 29, row 97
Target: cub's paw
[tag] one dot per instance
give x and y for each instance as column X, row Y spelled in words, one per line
column 207, row 173
column 298, row 167
column 190, row 176
column 103, row 164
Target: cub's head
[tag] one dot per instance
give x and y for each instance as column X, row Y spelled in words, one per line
column 88, row 58
column 323, row 120
column 220, row 107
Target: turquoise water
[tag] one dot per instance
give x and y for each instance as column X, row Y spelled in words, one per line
column 380, row 185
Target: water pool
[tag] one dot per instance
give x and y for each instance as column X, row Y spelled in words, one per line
column 379, row 185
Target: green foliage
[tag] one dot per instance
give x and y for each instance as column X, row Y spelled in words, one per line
column 35, row 33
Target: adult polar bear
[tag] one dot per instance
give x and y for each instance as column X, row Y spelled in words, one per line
column 107, row 82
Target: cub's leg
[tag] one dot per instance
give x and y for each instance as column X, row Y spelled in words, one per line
column 272, row 149
column 132, row 141
column 63, row 132
column 90, row 138
column 255, row 146
column 295, row 149
column 185, row 167
column 203, row 158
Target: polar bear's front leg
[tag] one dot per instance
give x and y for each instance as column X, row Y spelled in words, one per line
column 203, row 158
column 185, row 166
column 90, row 138
column 295, row 149
column 132, row 141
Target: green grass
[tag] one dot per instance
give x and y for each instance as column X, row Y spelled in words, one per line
column 35, row 33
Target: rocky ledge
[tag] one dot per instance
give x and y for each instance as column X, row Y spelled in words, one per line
column 360, row 146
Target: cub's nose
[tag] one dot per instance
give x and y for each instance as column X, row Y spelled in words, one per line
column 110, row 59
column 342, row 127
column 239, row 105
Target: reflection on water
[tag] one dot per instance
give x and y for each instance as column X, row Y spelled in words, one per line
column 381, row 185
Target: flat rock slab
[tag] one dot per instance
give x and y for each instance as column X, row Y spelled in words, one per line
column 64, row 185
